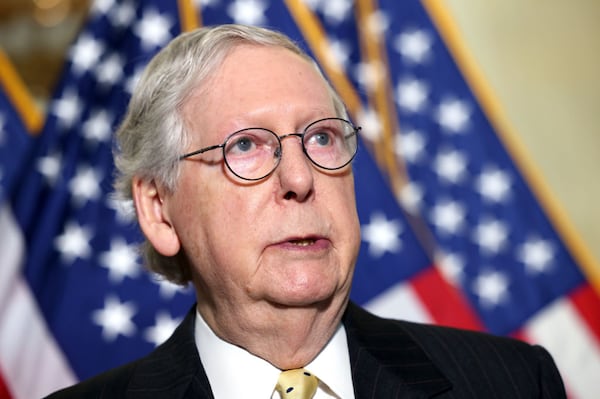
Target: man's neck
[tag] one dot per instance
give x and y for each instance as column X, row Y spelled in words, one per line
column 286, row 337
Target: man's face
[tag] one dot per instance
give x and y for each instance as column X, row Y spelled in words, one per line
column 289, row 240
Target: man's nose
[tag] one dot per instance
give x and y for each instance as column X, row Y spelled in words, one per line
column 295, row 171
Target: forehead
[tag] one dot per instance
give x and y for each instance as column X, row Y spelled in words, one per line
column 255, row 82
column 272, row 60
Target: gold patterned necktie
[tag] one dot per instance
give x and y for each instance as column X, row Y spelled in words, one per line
column 297, row 384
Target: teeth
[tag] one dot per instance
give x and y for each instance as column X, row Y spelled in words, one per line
column 303, row 243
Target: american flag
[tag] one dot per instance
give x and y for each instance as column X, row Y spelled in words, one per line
column 456, row 227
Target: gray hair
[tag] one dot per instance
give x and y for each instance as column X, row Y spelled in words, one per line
column 153, row 133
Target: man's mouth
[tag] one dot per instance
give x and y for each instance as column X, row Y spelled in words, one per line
column 304, row 242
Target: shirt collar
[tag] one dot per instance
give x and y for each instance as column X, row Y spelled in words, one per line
column 332, row 365
column 255, row 377
column 224, row 363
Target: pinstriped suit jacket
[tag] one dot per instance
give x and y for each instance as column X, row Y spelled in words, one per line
column 390, row 359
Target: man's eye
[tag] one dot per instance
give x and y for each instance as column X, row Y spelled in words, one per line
column 320, row 139
column 323, row 139
column 241, row 145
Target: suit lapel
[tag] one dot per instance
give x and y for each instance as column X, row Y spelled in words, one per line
column 174, row 369
column 386, row 362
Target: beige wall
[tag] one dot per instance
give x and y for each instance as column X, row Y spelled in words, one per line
column 542, row 61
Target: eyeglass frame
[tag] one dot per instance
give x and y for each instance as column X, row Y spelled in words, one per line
column 355, row 131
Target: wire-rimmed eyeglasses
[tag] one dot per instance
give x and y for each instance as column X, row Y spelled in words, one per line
column 254, row 153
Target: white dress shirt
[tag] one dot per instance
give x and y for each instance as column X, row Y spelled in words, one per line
column 234, row 373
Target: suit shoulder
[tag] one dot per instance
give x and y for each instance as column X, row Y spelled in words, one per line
column 476, row 363
column 490, row 357
column 110, row 384
column 439, row 341
column 428, row 335
column 169, row 367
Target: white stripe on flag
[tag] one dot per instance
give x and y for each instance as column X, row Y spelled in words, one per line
column 30, row 360
column 399, row 302
column 561, row 330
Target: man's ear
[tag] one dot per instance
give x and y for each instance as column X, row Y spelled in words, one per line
column 153, row 218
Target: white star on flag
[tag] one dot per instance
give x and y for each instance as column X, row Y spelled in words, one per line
column 85, row 53
column 448, row 216
column 371, row 124
column 411, row 95
column 491, row 287
column 338, row 52
column 248, row 12
column 98, row 127
column 493, row 184
column 491, row 236
column 382, row 235
column 411, row 195
column 115, row 318
column 536, row 254
column 336, row 11
column 67, row 108
column 377, row 24
column 167, row 289
column 414, row 45
column 121, row 260
column 453, row 115
column 74, row 243
column 410, row 145
column 110, row 71
column 122, row 15
column 124, row 209
column 153, row 29
column 101, row 7
column 85, row 185
column 162, row 329
column 132, row 80
column 452, row 266
column 450, row 165
column 49, row 167
column 369, row 74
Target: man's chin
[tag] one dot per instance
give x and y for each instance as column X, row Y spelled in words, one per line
column 320, row 301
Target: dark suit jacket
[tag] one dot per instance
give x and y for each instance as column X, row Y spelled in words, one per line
column 389, row 359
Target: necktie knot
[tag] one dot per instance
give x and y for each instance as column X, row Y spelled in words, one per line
column 297, row 384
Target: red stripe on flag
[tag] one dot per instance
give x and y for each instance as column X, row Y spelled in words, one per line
column 444, row 301
column 587, row 303
column 4, row 392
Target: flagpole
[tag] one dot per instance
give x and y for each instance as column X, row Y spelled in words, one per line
column 19, row 95
column 188, row 15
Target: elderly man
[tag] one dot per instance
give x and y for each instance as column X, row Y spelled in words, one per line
column 237, row 154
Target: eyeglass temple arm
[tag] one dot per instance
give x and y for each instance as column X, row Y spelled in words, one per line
column 354, row 132
column 200, row 151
